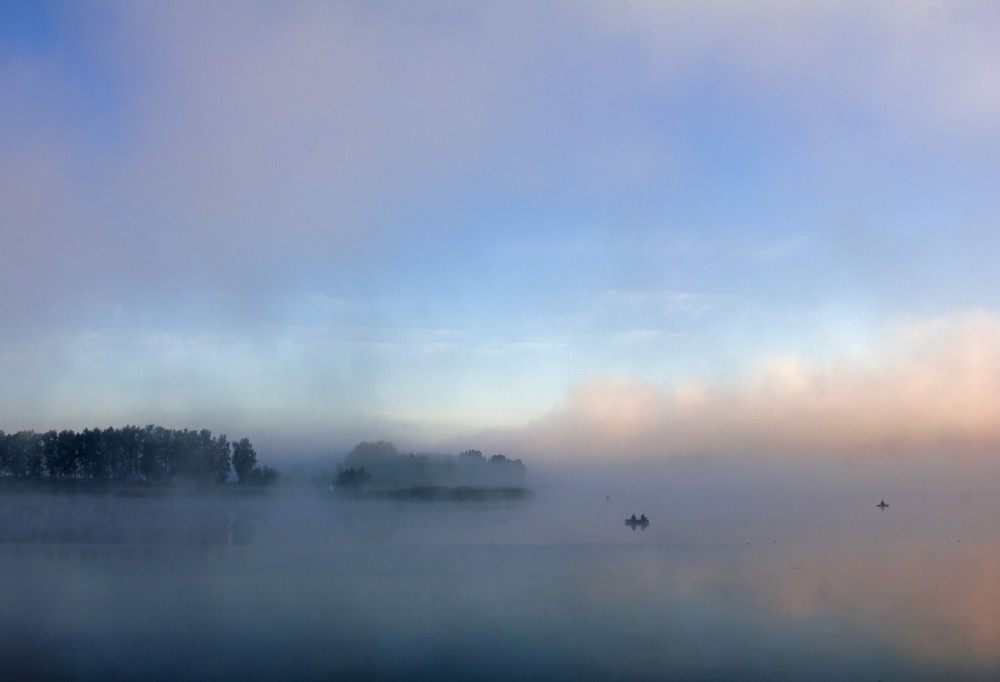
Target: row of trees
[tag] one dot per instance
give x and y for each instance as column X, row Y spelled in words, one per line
column 131, row 454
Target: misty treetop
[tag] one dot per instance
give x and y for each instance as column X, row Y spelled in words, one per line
column 381, row 464
column 352, row 478
column 150, row 455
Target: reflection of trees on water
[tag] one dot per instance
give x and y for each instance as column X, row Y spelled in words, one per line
column 109, row 519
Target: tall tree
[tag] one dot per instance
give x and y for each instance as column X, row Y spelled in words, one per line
column 68, row 456
column 91, row 449
column 129, row 468
column 50, row 453
column 24, row 455
column 244, row 459
column 221, row 461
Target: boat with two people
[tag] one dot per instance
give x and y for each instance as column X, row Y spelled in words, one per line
column 641, row 522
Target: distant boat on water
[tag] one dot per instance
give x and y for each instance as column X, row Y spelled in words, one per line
column 882, row 505
column 641, row 522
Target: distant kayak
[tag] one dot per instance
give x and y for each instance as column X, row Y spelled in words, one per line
column 882, row 505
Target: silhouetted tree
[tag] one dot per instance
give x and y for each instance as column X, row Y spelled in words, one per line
column 130, row 447
column 156, row 455
column 68, row 464
column 263, row 475
column 23, row 456
column 244, row 460
column 512, row 470
column 91, row 447
column 50, row 453
column 221, row 460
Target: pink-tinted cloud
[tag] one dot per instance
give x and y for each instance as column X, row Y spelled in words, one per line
column 923, row 386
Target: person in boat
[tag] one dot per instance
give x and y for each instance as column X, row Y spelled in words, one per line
column 643, row 519
column 633, row 518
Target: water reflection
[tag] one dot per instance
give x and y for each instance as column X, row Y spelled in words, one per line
column 89, row 519
column 312, row 589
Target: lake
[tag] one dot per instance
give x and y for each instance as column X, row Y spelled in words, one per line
column 557, row 588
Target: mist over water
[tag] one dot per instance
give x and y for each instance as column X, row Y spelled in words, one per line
column 769, row 571
column 624, row 241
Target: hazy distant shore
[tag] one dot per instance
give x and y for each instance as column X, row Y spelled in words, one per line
column 89, row 487
column 232, row 490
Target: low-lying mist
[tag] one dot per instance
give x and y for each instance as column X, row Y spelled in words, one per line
column 707, row 500
column 300, row 582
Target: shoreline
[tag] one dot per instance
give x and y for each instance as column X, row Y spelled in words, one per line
column 442, row 494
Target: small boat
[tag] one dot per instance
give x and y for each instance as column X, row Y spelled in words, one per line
column 641, row 522
column 882, row 505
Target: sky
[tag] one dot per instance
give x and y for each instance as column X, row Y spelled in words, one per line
column 600, row 230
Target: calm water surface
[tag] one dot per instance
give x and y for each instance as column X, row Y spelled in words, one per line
column 554, row 589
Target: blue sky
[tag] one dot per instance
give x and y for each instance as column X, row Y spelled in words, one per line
column 552, row 229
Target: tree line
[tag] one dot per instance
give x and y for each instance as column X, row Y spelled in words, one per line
column 151, row 455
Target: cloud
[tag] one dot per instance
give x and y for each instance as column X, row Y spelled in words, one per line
column 183, row 172
column 919, row 70
column 236, row 146
column 925, row 385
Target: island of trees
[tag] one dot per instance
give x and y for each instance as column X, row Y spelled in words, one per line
column 380, row 470
column 130, row 455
